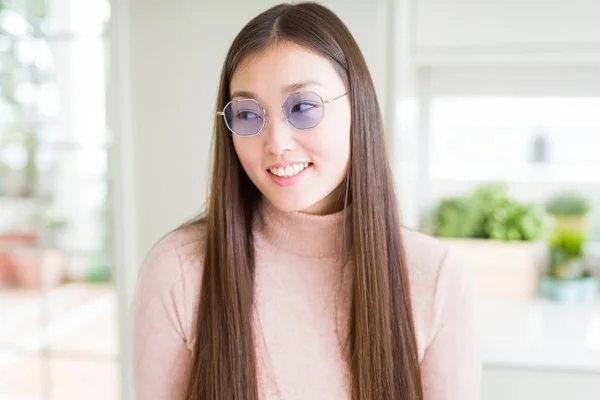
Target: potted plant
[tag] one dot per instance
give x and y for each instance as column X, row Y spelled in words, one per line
column 568, row 210
column 567, row 279
column 455, row 217
column 15, row 232
column 50, row 225
column 498, row 236
column 43, row 265
column 8, row 243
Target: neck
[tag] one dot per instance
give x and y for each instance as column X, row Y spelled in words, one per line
column 302, row 234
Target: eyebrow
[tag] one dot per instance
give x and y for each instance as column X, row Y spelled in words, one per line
column 294, row 87
column 300, row 85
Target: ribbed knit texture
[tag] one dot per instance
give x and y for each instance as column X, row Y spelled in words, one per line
column 302, row 297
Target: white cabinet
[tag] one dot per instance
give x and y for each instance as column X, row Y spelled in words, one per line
column 529, row 384
column 476, row 28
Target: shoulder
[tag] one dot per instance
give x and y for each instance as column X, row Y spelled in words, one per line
column 184, row 245
column 435, row 274
column 171, row 274
column 424, row 254
column 178, row 253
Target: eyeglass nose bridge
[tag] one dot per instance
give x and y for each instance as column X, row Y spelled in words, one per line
column 286, row 118
column 266, row 116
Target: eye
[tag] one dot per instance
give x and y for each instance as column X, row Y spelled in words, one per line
column 247, row 115
column 302, row 107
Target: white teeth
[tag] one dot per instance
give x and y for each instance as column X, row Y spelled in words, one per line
column 289, row 170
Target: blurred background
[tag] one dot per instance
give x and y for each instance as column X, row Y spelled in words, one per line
column 492, row 110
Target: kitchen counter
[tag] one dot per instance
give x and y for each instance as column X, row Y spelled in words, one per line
column 541, row 334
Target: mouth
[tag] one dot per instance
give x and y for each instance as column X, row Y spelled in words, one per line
column 289, row 171
column 290, row 174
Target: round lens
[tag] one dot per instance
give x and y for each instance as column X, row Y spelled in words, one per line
column 244, row 117
column 303, row 110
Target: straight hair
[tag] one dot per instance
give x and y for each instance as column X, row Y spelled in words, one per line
column 382, row 351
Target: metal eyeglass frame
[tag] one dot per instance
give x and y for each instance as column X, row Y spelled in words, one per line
column 266, row 117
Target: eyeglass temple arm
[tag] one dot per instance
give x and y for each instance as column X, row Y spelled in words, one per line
column 335, row 98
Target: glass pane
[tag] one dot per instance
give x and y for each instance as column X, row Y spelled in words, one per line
column 20, row 311
column 78, row 108
column 89, row 379
column 56, row 17
column 56, row 294
column 78, row 316
column 87, row 325
column 538, row 145
column 92, row 16
column 485, row 137
column 34, row 289
column 21, row 376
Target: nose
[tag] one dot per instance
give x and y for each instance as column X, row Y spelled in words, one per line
column 279, row 136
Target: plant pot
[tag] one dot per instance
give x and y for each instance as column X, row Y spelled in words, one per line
column 571, row 291
column 9, row 241
column 39, row 269
column 570, row 222
column 503, row 270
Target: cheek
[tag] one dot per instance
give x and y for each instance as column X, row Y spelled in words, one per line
column 330, row 146
column 249, row 152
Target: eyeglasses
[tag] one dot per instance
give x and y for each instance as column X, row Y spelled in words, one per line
column 302, row 110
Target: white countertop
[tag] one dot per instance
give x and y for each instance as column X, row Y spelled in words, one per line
column 541, row 334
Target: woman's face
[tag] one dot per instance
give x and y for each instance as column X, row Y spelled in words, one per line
column 295, row 169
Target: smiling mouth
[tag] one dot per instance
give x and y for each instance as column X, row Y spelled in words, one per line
column 289, row 170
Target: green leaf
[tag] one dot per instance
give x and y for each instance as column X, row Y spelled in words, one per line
column 570, row 241
column 455, row 217
column 567, row 204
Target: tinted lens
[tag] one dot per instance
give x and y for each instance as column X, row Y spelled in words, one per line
column 244, row 117
column 303, row 110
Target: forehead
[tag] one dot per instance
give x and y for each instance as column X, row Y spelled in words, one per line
column 274, row 72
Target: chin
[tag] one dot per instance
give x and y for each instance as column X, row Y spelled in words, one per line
column 291, row 205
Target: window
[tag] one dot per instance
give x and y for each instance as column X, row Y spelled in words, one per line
column 536, row 129
column 58, row 333
column 516, row 138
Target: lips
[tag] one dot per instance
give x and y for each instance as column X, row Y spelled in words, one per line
column 290, row 174
column 288, row 170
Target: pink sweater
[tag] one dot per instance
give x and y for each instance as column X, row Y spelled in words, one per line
column 300, row 301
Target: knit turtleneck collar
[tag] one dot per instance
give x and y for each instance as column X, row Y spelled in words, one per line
column 302, row 234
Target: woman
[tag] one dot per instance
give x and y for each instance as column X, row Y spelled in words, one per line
column 299, row 282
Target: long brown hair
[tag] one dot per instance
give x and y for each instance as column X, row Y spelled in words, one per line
column 382, row 356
